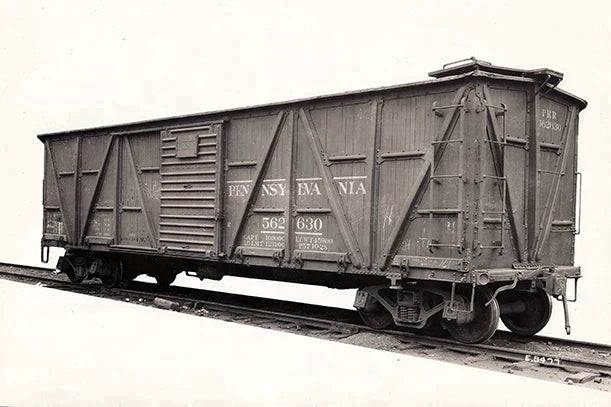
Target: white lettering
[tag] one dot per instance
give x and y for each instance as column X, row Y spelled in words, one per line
column 361, row 189
column 273, row 223
column 308, row 188
column 238, row 190
column 304, row 188
column 351, row 188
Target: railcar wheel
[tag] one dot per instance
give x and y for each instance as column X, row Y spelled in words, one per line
column 374, row 315
column 73, row 278
column 165, row 279
column 485, row 319
column 114, row 276
column 128, row 277
column 535, row 314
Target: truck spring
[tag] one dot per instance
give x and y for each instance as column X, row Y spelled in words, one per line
column 408, row 314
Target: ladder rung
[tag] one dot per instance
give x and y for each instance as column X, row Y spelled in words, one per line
column 455, row 211
column 495, row 177
column 447, row 141
column 493, row 220
column 446, row 176
column 446, row 107
column 552, row 172
column 493, row 213
column 516, row 140
column 443, row 245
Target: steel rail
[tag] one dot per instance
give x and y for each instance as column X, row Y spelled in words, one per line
column 350, row 322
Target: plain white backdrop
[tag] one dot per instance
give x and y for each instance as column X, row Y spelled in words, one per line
column 74, row 64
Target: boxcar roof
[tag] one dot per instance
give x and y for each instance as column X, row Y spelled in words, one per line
column 473, row 69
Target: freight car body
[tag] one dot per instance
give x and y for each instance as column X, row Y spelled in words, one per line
column 450, row 201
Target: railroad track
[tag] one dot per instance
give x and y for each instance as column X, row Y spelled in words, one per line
column 575, row 361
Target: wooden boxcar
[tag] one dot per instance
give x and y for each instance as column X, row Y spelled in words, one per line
column 446, row 201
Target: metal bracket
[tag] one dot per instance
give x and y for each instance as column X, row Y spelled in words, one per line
column 453, row 292
column 395, row 280
column 545, row 82
column 278, row 255
column 239, row 255
column 361, row 299
column 404, row 266
column 298, row 260
column 93, row 268
column 560, row 290
column 575, row 292
column 342, row 263
column 563, row 297
column 471, row 302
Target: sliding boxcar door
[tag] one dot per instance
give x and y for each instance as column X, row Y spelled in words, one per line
column 190, row 204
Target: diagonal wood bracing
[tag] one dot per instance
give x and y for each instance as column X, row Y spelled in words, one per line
column 146, row 211
column 543, row 228
column 62, row 206
column 96, row 190
column 335, row 201
column 262, row 165
column 497, row 156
